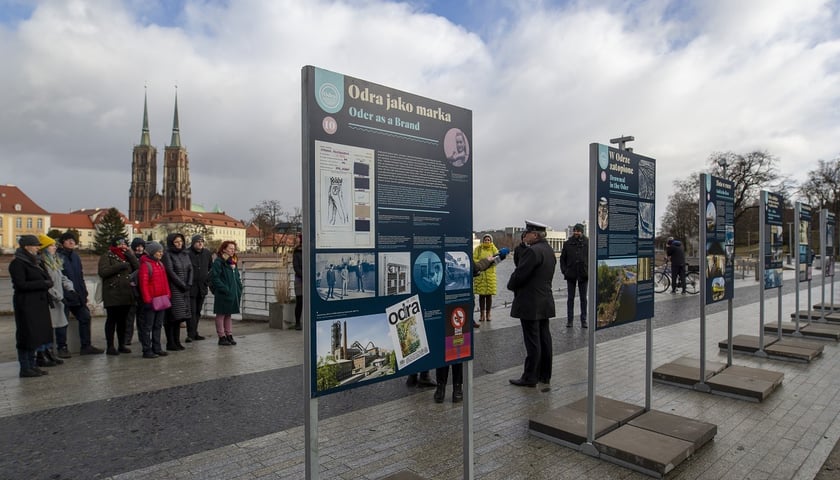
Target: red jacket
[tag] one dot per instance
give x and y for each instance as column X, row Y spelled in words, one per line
column 153, row 285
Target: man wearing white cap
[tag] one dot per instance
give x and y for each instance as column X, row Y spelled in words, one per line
column 533, row 304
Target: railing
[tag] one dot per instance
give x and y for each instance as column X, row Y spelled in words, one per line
column 259, row 281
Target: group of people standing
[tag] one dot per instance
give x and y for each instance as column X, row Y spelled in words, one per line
column 145, row 284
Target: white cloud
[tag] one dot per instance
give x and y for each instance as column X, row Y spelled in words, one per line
column 543, row 81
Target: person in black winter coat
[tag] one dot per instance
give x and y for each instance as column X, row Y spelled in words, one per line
column 75, row 301
column 201, row 260
column 574, row 259
column 31, row 303
column 180, row 273
column 533, row 304
column 676, row 256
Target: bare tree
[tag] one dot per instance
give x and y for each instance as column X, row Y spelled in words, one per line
column 822, row 188
column 750, row 172
column 266, row 215
column 681, row 218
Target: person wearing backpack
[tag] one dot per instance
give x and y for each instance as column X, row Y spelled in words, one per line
column 151, row 282
column 115, row 267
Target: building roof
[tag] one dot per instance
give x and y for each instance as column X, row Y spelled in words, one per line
column 14, row 201
column 96, row 214
column 204, row 218
column 66, row 221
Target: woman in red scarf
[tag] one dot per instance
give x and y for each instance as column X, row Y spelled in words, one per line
column 115, row 267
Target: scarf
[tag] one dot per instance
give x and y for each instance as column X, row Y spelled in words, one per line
column 52, row 261
column 118, row 252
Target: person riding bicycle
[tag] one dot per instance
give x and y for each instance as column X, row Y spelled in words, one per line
column 676, row 256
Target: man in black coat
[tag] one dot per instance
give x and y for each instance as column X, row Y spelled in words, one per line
column 533, row 304
column 75, row 302
column 574, row 259
column 201, row 260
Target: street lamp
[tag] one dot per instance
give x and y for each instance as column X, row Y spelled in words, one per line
column 723, row 164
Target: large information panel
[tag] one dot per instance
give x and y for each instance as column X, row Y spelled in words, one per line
column 827, row 245
column 803, row 241
column 625, row 195
column 720, row 238
column 390, row 231
column 774, row 239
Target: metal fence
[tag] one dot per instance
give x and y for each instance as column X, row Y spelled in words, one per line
column 259, row 284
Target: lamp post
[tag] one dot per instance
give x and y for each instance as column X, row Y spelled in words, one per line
column 723, row 164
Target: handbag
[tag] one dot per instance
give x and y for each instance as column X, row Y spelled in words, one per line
column 160, row 303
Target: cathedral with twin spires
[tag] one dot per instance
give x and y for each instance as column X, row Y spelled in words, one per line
column 144, row 201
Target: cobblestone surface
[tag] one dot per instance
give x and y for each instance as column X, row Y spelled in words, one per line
column 213, row 412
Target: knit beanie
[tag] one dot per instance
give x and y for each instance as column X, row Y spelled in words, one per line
column 152, row 248
column 137, row 241
column 67, row 236
column 29, row 241
column 45, row 241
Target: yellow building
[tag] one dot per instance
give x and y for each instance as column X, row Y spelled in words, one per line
column 215, row 227
column 19, row 215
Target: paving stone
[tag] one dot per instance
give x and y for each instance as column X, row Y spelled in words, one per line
column 649, row 450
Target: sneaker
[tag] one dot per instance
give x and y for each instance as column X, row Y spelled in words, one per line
column 224, row 341
column 64, row 353
column 91, row 350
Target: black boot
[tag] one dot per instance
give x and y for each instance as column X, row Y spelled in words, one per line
column 231, row 340
column 425, row 380
column 52, row 357
column 176, row 334
column 457, row 394
column 440, row 393
column 42, row 361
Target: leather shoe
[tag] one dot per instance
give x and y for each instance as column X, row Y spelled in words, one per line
column 124, row 349
column 29, row 373
column 150, row 355
column 91, row 350
column 161, row 353
column 198, row 337
column 519, row 382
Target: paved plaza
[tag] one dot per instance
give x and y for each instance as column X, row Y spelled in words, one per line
column 237, row 412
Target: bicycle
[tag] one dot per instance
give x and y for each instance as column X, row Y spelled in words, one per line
column 662, row 279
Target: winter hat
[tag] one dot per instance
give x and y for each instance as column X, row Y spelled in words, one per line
column 197, row 238
column 578, row 228
column 67, row 236
column 136, row 242
column 29, row 241
column 153, row 247
column 117, row 241
column 45, row 241
column 487, row 235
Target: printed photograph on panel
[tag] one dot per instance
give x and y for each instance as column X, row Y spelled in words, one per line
column 394, row 270
column 353, row 349
column 428, row 272
column 711, row 217
column 646, row 220
column 773, row 278
column 457, row 147
column 345, row 276
column 343, row 196
column 603, row 213
column 458, row 273
column 616, row 294
column 647, row 180
column 407, row 331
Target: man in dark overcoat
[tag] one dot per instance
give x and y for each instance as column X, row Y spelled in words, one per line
column 533, row 304
column 574, row 261
column 31, row 303
column 201, row 260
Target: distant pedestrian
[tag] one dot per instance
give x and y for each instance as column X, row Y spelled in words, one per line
column 533, row 304
column 676, row 256
column 30, row 301
column 152, row 282
column 201, row 260
column 574, row 261
column 227, row 289
column 76, row 300
column 297, row 265
column 180, row 273
column 484, row 285
column 115, row 267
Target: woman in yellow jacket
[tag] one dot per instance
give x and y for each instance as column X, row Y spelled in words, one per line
column 484, row 285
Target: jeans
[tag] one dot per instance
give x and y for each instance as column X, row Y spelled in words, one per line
column 570, row 302
column 61, row 336
column 82, row 314
column 148, row 329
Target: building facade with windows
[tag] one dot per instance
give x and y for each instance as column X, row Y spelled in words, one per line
column 19, row 215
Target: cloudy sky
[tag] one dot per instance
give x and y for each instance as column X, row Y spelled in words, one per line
column 543, row 79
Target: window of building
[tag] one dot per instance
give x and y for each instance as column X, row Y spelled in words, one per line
column 40, row 224
column 18, row 222
column 29, row 223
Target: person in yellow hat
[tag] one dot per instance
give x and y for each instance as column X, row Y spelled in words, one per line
column 46, row 357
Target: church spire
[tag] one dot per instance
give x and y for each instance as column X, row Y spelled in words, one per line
column 176, row 134
column 144, row 137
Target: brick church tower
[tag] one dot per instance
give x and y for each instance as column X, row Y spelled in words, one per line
column 144, row 202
